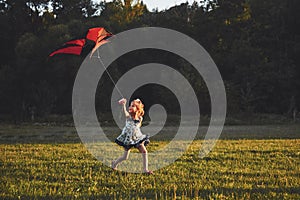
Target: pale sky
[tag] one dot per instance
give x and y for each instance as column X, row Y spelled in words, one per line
column 161, row 4
column 164, row 4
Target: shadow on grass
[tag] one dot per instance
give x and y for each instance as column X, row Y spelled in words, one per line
column 12, row 134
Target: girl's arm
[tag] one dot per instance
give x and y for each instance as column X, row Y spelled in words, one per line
column 123, row 102
column 126, row 113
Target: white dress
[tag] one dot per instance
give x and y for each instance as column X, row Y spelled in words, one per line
column 131, row 135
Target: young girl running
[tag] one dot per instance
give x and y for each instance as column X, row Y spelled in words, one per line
column 131, row 135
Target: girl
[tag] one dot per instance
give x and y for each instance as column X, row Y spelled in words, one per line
column 131, row 135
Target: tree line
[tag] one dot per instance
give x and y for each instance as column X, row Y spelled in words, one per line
column 255, row 44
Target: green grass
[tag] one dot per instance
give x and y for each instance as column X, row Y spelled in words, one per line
column 235, row 169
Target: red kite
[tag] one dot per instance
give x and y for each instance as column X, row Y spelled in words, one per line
column 97, row 35
column 98, row 45
column 79, row 42
column 71, row 47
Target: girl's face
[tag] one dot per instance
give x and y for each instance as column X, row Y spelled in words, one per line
column 132, row 108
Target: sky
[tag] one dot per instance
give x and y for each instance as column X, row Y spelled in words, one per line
column 161, row 4
column 164, row 4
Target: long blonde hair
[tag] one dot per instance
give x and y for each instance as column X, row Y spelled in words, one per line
column 139, row 106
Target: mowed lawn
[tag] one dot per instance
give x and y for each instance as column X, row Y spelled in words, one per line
column 235, row 169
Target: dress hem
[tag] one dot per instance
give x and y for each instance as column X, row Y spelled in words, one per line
column 136, row 145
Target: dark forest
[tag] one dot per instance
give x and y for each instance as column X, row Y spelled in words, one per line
column 255, row 44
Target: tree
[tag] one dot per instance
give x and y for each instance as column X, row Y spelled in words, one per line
column 66, row 10
column 121, row 13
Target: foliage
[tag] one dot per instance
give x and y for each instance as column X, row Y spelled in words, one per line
column 255, row 45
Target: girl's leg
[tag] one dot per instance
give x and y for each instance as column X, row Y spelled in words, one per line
column 125, row 156
column 144, row 153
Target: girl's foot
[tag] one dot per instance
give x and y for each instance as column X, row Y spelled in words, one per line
column 148, row 172
column 113, row 165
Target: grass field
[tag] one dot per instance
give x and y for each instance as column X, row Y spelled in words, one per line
column 238, row 168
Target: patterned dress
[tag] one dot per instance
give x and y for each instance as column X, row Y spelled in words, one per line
column 131, row 135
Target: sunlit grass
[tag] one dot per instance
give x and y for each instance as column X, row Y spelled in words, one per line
column 235, row 169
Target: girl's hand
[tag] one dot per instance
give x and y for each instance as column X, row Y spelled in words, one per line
column 122, row 101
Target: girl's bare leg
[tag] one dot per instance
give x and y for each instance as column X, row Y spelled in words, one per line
column 144, row 153
column 125, row 156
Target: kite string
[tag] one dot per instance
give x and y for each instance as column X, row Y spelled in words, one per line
column 99, row 58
